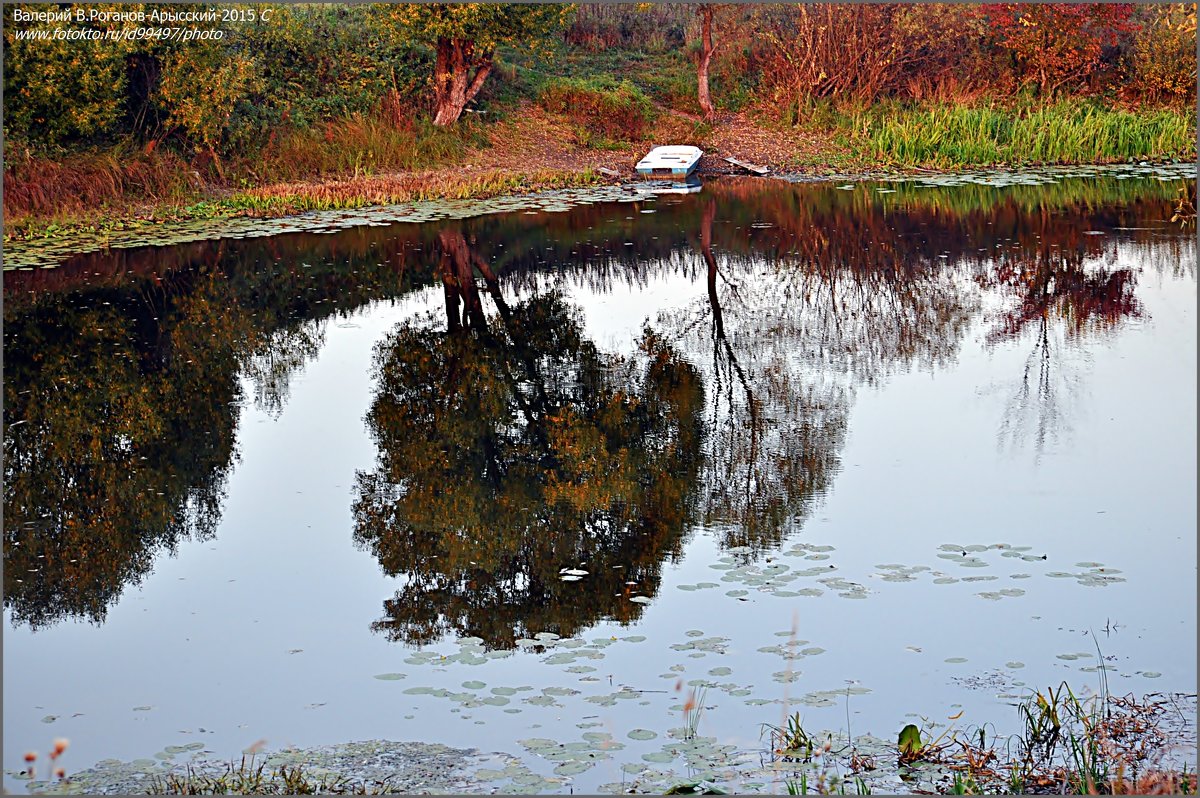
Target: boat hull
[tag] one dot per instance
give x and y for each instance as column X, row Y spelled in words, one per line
column 676, row 163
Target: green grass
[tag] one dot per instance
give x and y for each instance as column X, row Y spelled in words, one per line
column 604, row 110
column 951, row 136
column 667, row 78
column 360, row 145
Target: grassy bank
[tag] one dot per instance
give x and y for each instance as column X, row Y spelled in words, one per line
column 361, row 162
column 122, row 185
column 945, row 136
column 251, row 121
column 369, row 159
column 113, row 200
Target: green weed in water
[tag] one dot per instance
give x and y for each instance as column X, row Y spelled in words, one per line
column 790, row 741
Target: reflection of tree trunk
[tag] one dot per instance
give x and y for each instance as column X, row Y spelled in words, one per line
column 457, row 267
column 450, row 292
column 706, row 222
column 493, row 285
column 721, row 342
column 457, row 272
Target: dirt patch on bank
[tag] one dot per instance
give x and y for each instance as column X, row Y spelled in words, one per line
column 534, row 139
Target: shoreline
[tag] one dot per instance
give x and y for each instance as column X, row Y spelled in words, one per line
column 528, row 152
column 430, row 195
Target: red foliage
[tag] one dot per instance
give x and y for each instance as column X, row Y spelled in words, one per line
column 1057, row 42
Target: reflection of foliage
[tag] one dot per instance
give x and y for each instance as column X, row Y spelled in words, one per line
column 280, row 356
column 1058, row 287
column 810, row 292
column 795, row 324
column 121, row 392
column 1185, row 206
column 512, row 448
column 121, row 445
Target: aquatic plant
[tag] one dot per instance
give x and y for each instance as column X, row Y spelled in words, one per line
column 249, row 779
column 54, row 770
column 790, row 740
column 693, row 709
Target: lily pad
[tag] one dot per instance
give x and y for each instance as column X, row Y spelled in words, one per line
column 659, row 756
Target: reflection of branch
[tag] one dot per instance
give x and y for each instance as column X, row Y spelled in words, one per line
column 720, row 341
column 1039, row 398
column 1054, row 290
column 279, row 358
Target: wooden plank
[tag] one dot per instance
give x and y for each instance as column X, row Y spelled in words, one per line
column 749, row 167
column 608, row 172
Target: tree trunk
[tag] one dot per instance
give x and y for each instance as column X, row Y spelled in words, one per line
column 453, row 84
column 706, row 53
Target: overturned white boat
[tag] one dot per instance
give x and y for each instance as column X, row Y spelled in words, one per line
column 672, row 161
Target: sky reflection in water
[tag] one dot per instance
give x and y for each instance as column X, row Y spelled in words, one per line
column 939, row 424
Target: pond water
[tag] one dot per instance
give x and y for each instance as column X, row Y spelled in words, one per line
column 879, row 453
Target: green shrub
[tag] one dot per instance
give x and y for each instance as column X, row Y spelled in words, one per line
column 600, row 105
column 59, row 92
column 1162, row 64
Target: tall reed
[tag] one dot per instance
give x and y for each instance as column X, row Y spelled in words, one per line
column 947, row 136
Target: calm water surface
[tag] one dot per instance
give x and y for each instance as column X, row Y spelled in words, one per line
column 938, row 442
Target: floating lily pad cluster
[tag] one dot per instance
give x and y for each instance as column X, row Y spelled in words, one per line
column 774, row 577
column 406, row 767
column 1094, row 574
column 1039, row 176
column 1053, row 174
column 576, row 757
column 831, row 697
column 700, row 646
column 471, row 652
column 51, row 252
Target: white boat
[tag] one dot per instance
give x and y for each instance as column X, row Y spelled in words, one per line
column 672, row 161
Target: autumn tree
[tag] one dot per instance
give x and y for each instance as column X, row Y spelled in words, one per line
column 706, row 12
column 1162, row 64
column 465, row 37
column 1057, row 42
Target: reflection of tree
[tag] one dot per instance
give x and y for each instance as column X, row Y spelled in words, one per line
column 277, row 360
column 117, row 445
column 510, row 448
column 120, row 417
column 1055, row 297
column 796, row 323
column 121, row 396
